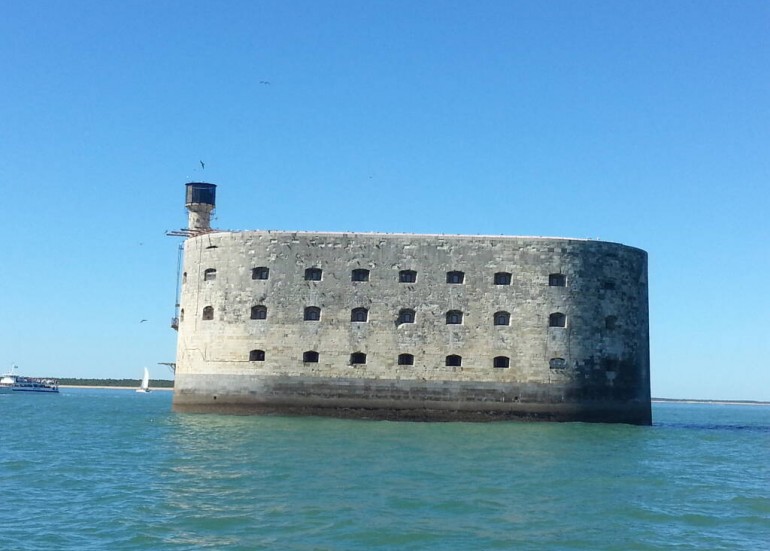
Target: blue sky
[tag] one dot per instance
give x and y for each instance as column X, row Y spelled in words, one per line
column 645, row 123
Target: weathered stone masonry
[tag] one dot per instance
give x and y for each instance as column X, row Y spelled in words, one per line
column 575, row 337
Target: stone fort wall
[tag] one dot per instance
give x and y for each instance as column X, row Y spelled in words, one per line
column 531, row 324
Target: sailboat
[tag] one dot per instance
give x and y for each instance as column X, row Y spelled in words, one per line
column 145, row 386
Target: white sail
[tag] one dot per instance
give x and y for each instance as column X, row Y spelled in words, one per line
column 145, row 386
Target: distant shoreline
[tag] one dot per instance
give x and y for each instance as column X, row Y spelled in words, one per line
column 717, row 402
column 115, row 387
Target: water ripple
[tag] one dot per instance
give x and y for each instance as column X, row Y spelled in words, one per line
column 110, row 470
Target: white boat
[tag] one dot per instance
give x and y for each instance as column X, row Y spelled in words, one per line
column 145, row 386
column 10, row 382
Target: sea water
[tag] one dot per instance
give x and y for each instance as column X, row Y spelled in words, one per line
column 113, row 469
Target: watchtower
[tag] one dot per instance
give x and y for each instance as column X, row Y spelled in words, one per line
column 200, row 200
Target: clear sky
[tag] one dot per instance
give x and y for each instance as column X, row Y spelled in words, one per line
column 645, row 123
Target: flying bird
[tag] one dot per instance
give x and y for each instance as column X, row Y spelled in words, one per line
column 265, row 82
column 203, row 165
column 142, row 321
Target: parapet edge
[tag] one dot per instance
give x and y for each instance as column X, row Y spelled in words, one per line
column 454, row 237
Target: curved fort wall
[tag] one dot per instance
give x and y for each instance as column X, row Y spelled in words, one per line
column 490, row 327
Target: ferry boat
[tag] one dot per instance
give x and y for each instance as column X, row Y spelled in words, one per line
column 10, row 382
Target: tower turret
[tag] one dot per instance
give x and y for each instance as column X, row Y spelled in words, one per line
column 200, row 200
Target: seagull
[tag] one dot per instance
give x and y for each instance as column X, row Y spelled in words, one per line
column 142, row 321
column 203, row 165
column 265, row 82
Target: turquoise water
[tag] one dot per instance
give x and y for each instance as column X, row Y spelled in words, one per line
column 113, row 469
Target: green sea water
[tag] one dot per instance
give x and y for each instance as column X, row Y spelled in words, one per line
column 113, row 469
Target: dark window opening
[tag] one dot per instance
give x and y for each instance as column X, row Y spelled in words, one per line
column 210, row 274
column 359, row 314
column 557, row 319
column 260, row 273
column 181, row 315
column 357, row 358
column 313, row 274
column 407, row 276
column 454, row 317
column 610, row 365
column 406, row 316
column 257, row 356
column 453, row 360
column 405, row 359
column 259, row 312
column 455, row 277
column 310, row 357
column 502, row 361
column 359, row 274
column 557, row 280
column 502, row 278
column 557, row 363
column 208, row 313
column 502, row 318
column 312, row 313
column 184, row 278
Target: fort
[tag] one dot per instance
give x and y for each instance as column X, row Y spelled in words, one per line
column 410, row 327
